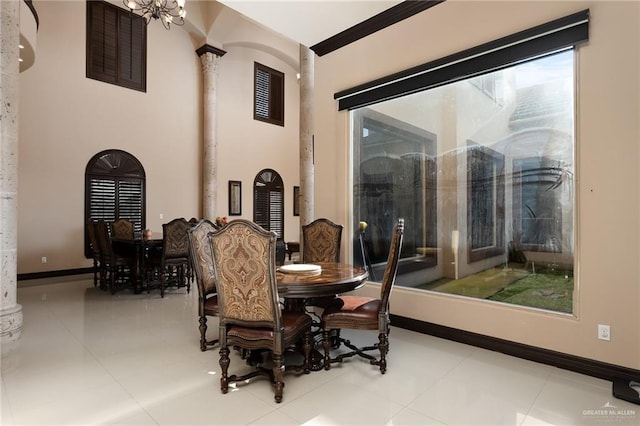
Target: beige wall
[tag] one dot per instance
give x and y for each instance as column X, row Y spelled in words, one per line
column 66, row 118
column 248, row 146
column 607, row 167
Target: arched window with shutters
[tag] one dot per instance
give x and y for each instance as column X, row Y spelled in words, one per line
column 114, row 189
column 268, row 201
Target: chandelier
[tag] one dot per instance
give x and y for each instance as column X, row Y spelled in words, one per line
column 168, row 11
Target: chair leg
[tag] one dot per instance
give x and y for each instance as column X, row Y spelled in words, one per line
column 224, row 366
column 162, row 278
column 95, row 272
column 112, row 281
column 104, row 278
column 278, row 374
column 203, row 333
column 326, row 344
column 383, row 346
column 307, row 352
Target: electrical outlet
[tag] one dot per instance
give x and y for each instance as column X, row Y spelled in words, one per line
column 604, row 332
column 44, row 259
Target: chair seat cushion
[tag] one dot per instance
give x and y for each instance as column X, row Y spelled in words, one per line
column 356, row 312
column 293, row 323
column 211, row 305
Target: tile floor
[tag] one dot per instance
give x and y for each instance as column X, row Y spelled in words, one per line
column 86, row 357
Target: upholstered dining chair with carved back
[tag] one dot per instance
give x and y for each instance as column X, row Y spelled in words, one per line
column 118, row 268
column 190, row 273
column 250, row 316
column 202, row 264
column 321, row 241
column 365, row 313
column 122, row 228
column 173, row 264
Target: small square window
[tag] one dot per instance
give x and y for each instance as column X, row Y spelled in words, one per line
column 268, row 95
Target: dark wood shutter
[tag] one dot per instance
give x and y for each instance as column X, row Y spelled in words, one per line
column 276, row 100
column 116, row 46
column 102, row 34
column 102, row 199
column 114, row 198
column 131, row 51
column 276, row 212
column 130, row 201
column 261, row 206
column 262, row 106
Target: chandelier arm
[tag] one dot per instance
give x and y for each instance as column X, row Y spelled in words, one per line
column 168, row 11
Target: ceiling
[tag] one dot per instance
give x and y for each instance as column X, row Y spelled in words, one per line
column 309, row 22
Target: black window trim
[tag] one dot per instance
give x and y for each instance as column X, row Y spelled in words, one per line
column 532, row 43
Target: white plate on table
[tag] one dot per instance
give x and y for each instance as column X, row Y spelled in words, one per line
column 301, row 269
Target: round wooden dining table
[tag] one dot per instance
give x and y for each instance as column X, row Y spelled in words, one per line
column 332, row 279
column 299, row 289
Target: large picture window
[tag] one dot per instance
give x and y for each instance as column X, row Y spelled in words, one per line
column 482, row 168
column 459, row 175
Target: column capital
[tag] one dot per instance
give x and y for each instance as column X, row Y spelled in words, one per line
column 207, row 48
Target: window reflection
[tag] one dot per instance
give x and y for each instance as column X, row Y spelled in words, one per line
column 482, row 171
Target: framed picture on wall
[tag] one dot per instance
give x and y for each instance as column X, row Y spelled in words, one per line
column 296, row 201
column 235, row 198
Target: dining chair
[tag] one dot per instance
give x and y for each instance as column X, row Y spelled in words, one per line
column 118, row 268
column 202, row 264
column 321, row 241
column 365, row 313
column 95, row 250
column 250, row 316
column 171, row 266
column 122, row 228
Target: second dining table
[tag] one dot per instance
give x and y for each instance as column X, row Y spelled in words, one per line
column 140, row 244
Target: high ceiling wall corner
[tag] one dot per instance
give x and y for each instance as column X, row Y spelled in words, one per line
column 29, row 23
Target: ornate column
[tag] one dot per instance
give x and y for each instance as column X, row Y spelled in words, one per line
column 306, row 135
column 10, row 311
column 210, row 58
